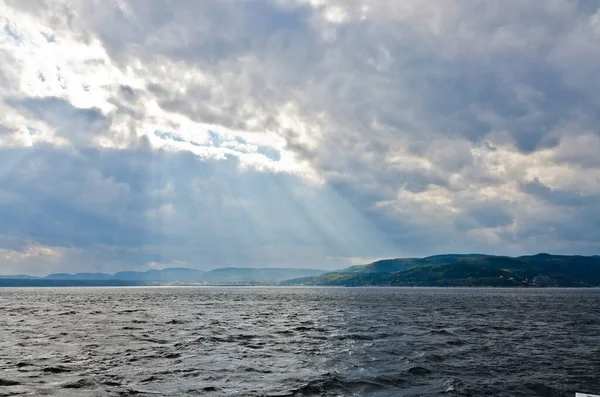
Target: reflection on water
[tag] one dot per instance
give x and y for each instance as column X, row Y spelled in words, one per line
column 299, row 342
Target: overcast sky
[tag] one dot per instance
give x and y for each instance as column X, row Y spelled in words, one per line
column 138, row 134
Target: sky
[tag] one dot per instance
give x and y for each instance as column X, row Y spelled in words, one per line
column 144, row 134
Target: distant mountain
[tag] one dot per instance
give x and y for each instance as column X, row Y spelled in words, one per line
column 44, row 282
column 254, row 274
column 169, row 274
column 77, row 276
column 467, row 270
column 18, row 277
column 183, row 275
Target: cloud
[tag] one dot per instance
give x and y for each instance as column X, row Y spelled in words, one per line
column 133, row 207
column 75, row 124
column 272, row 130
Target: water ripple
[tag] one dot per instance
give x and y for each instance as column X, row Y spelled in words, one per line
column 299, row 342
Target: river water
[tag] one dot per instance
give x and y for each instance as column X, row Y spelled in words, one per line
column 299, row 341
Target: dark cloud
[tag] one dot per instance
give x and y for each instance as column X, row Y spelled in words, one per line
column 77, row 124
column 127, row 92
column 199, row 33
column 490, row 214
column 560, row 197
column 4, row 130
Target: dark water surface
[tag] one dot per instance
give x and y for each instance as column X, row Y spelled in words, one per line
column 299, row 342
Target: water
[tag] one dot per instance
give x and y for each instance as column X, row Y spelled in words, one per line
column 299, row 342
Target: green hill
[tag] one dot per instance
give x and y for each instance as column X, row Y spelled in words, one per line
column 401, row 264
column 542, row 270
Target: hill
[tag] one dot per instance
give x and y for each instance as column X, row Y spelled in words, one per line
column 169, row 274
column 226, row 275
column 257, row 274
column 540, row 270
column 401, row 264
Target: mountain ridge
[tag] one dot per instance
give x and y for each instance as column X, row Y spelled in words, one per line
column 467, row 270
column 437, row 270
column 180, row 274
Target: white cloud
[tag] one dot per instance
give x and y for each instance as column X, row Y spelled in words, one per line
column 31, row 252
column 31, row 259
column 58, row 64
